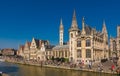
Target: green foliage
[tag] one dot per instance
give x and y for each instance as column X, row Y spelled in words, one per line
column 61, row 59
column 66, row 59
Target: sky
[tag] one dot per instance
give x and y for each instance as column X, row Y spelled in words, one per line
column 21, row 20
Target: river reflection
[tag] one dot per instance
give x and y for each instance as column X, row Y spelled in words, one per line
column 25, row 70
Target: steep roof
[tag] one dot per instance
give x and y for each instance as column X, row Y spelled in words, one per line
column 88, row 30
column 21, row 47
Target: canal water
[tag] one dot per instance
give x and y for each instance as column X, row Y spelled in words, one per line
column 25, row 70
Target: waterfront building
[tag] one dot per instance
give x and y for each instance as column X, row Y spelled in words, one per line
column 26, row 51
column 84, row 45
column 8, row 52
column 34, row 50
column 61, row 50
column 87, row 44
column 115, row 44
column 20, row 50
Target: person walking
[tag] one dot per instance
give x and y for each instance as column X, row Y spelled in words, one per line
column 100, row 67
column 112, row 68
column 90, row 65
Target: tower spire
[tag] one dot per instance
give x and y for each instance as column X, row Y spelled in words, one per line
column 104, row 30
column 61, row 25
column 61, row 21
column 74, row 21
column 61, row 31
column 83, row 26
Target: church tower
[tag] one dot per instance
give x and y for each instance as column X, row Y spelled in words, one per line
column 73, row 32
column 105, row 38
column 104, row 31
column 61, row 31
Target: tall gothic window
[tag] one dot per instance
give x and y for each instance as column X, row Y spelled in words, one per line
column 88, row 43
column 59, row 53
column 114, row 46
column 62, row 53
column 79, row 53
column 56, row 53
column 66, row 53
column 78, row 43
column 88, row 53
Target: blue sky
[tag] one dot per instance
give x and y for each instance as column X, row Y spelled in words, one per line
column 21, row 20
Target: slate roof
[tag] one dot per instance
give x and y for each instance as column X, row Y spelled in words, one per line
column 61, row 47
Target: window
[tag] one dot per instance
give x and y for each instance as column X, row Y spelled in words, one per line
column 62, row 53
column 114, row 46
column 46, row 53
column 106, row 43
column 88, row 43
column 79, row 53
column 53, row 53
column 59, row 53
column 71, row 35
column 56, row 53
column 66, row 53
column 78, row 43
column 88, row 53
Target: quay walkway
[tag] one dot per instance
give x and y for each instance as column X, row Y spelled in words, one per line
column 85, row 68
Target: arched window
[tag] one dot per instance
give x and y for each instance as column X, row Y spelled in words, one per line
column 88, row 43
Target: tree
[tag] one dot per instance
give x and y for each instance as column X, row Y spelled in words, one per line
column 52, row 58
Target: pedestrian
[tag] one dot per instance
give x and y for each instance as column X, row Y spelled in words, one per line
column 100, row 67
column 112, row 68
column 90, row 65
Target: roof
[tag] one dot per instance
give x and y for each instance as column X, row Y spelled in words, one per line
column 22, row 47
column 37, row 42
column 61, row 47
column 88, row 30
column 29, row 43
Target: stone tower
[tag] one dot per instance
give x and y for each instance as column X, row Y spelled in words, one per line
column 105, row 38
column 118, row 41
column 73, row 32
column 61, row 32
